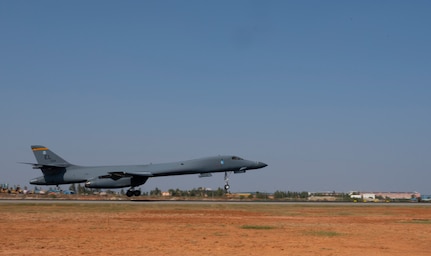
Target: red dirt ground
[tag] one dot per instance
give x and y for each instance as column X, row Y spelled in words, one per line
column 214, row 229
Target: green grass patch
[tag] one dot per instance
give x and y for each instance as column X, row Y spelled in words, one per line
column 219, row 234
column 324, row 233
column 418, row 221
column 257, row 227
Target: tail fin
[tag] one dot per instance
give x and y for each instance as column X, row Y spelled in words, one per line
column 46, row 157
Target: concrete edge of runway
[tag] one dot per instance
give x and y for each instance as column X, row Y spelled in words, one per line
column 140, row 202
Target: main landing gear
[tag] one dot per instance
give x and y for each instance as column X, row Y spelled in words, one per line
column 132, row 192
column 226, row 182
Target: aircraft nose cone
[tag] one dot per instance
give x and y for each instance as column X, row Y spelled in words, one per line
column 261, row 165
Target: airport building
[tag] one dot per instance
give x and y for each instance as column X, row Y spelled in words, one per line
column 384, row 195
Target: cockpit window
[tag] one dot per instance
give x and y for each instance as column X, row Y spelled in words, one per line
column 236, row 158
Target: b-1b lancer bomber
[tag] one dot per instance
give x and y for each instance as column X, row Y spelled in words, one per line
column 58, row 171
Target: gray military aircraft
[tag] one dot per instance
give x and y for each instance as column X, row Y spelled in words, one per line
column 58, row 171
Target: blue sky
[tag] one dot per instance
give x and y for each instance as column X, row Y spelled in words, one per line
column 332, row 95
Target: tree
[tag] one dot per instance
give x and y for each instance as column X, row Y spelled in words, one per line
column 156, row 192
column 219, row 192
column 304, row 194
column 82, row 190
column 72, row 187
column 280, row 194
column 260, row 195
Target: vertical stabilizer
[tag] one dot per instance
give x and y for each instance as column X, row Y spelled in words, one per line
column 44, row 156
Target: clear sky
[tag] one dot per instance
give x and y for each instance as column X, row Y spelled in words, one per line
column 332, row 95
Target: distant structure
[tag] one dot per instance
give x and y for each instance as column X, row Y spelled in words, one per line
column 384, row 195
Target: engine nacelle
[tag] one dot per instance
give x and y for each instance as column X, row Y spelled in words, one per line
column 105, row 182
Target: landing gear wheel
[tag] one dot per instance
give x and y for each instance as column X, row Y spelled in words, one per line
column 226, row 187
column 129, row 193
column 136, row 193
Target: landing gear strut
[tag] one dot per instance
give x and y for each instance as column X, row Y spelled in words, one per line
column 226, row 182
column 132, row 192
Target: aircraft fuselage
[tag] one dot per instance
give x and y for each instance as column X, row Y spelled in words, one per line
column 135, row 175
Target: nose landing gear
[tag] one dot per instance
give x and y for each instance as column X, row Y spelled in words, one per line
column 226, row 182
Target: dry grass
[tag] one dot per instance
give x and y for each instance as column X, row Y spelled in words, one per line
column 213, row 229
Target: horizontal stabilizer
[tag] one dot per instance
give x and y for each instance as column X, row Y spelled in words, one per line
column 39, row 166
column 28, row 163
